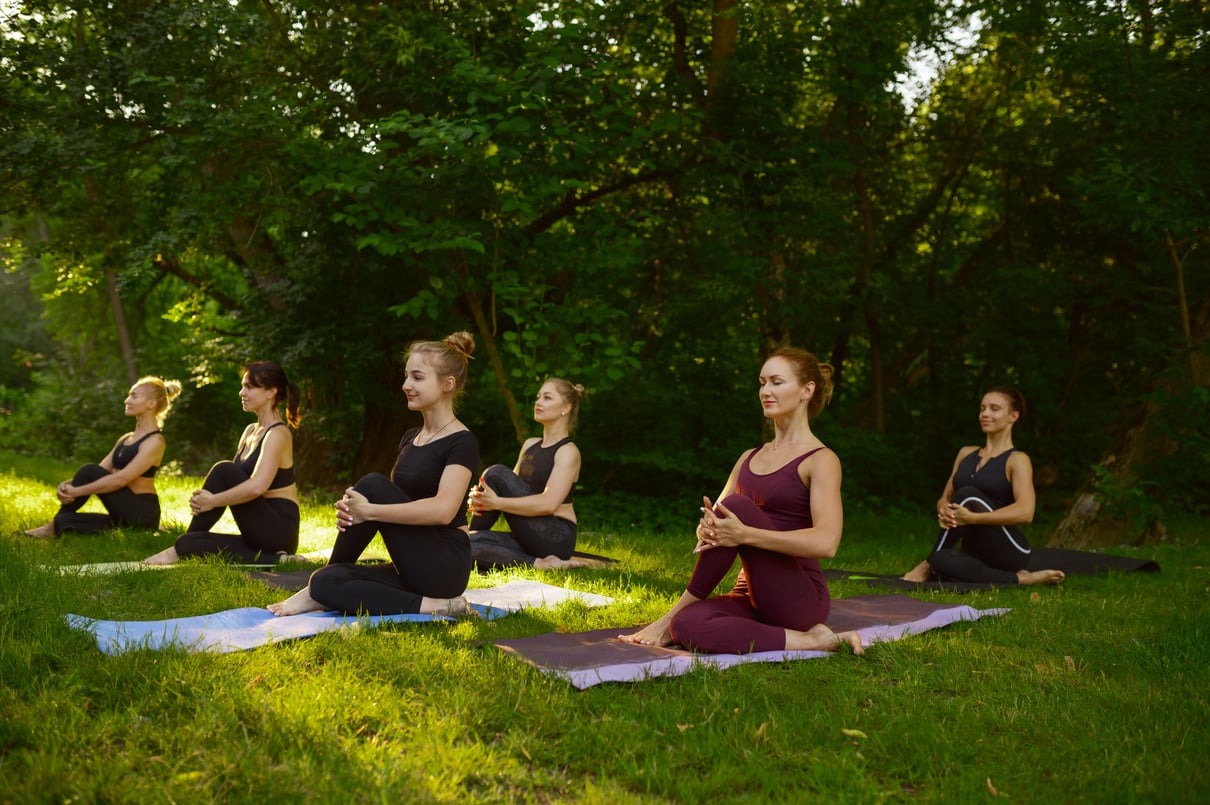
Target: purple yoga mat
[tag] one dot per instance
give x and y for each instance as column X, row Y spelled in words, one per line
column 590, row 658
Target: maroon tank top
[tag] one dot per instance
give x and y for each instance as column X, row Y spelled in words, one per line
column 780, row 494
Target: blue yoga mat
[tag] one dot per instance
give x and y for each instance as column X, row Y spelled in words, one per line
column 235, row 629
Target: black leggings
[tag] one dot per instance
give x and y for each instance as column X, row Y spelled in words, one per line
column 125, row 507
column 431, row 561
column 266, row 525
column 989, row 553
column 528, row 538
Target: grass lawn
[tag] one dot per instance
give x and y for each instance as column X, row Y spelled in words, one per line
column 1095, row 690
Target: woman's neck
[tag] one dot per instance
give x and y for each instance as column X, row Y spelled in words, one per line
column 554, row 431
column 997, row 443
column 794, row 431
column 145, row 423
column 268, row 417
column 437, row 417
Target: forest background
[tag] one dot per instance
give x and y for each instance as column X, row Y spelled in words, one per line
column 934, row 196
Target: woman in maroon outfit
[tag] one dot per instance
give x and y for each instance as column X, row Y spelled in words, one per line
column 779, row 512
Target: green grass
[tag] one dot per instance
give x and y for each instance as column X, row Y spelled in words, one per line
column 1092, row 691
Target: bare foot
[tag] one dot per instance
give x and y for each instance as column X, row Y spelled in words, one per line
column 821, row 638
column 164, row 557
column 553, row 562
column 296, row 604
column 920, row 573
column 1040, row 576
column 456, row 607
column 657, row 634
column 42, row 532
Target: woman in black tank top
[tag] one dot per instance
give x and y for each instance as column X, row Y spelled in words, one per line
column 257, row 486
column 989, row 495
column 123, row 480
column 535, row 496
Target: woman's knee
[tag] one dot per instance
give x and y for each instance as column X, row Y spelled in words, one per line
column 223, row 476
column 972, row 499
column 745, row 508
column 89, row 473
column 378, row 488
column 504, row 481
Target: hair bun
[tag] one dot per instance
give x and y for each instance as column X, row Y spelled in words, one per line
column 172, row 388
column 462, row 341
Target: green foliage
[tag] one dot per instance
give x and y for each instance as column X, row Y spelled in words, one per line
column 625, row 196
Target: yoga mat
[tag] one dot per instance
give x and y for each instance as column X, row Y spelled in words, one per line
column 590, row 658
column 103, row 568
column 524, row 593
column 231, row 630
column 111, row 568
column 1073, row 563
column 595, row 557
column 249, row 627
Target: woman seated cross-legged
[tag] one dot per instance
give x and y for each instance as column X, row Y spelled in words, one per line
column 779, row 513
column 257, row 486
column 124, row 481
column 535, row 497
column 418, row 510
column 989, row 495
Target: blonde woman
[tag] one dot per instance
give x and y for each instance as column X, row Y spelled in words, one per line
column 124, row 481
column 535, row 497
column 417, row 510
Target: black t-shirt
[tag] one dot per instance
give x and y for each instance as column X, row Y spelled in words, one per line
column 418, row 469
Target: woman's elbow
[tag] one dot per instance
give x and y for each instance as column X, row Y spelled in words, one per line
column 828, row 549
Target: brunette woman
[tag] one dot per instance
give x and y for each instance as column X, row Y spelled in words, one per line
column 257, row 485
column 988, row 497
column 779, row 513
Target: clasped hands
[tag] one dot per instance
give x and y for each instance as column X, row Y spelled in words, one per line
column 482, row 498
column 66, row 493
column 951, row 515
column 200, row 501
column 717, row 528
column 350, row 509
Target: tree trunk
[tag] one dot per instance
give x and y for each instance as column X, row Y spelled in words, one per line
column 487, row 335
column 1110, row 507
column 119, row 321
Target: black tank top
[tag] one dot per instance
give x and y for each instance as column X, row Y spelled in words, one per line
column 126, row 453
column 284, row 475
column 537, row 463
column 991, row 479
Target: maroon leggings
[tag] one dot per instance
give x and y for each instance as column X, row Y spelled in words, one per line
column 774, row 592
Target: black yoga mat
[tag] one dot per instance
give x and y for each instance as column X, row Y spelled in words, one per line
column 1073, row 563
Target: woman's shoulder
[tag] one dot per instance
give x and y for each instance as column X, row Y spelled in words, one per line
column 1019, row 458
column 821, row 456
column 963, row 452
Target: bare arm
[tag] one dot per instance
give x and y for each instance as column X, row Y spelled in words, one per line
column 822, row 474
column 149, row 455
column 277, row 446
column 1020, row 472
column 437, row 510
column 562, row 476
